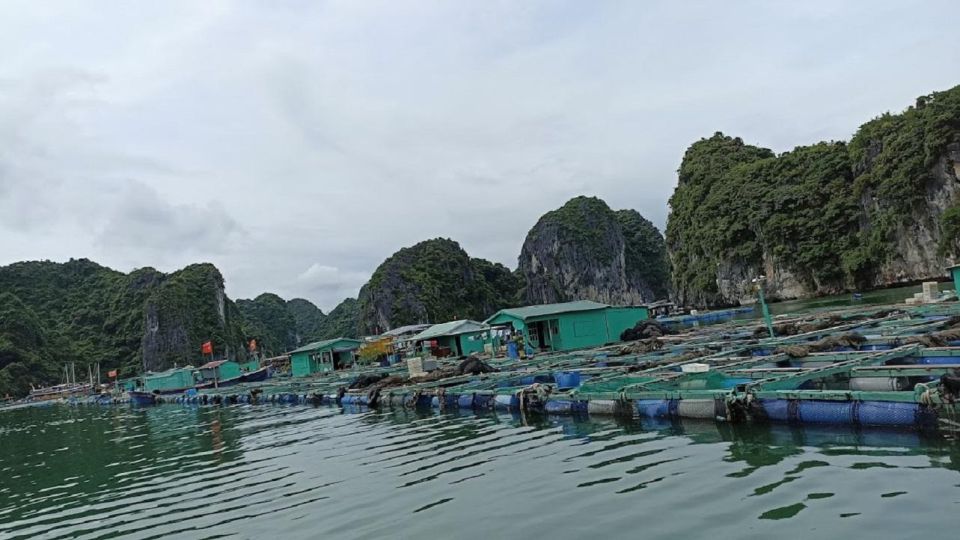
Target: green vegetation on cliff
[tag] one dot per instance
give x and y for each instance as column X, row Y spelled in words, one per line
column 25, row 357
column 83, row 312
column 187, row 308
column 342, row 321
column 645, row 252
column 86, row 311
column 268, row 319
column 433, row 281
column 308, row 320
column 827, row 213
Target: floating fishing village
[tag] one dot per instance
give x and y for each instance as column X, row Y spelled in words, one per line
column 881, row 366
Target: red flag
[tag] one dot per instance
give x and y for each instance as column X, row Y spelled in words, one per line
column 207, row 347
column 112, row 374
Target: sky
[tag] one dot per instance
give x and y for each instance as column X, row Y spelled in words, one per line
column 297, row 144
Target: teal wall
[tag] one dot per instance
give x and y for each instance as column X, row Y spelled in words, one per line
column 302, row 365
column 170, row 380
column 956, row 280
column 320, row 360
column 252, row 365
column 581, row 329
column 471, row 343
column 621, row 318
column 228, row 370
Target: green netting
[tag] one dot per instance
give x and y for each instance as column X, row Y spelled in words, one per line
column 612, row 385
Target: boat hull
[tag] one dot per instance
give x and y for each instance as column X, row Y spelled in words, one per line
column 219, row 384
column 142, row 398
column 258, row 375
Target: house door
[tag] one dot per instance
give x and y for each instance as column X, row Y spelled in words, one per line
column 542, row 331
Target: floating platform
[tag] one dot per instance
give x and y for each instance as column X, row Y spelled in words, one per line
column 879, row 366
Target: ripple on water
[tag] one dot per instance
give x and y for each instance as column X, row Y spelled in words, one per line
column 302, row 472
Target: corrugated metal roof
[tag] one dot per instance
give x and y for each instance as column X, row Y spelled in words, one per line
column 211, row 365
column 528, row 312
column 322, row 344
column 451, row 328
column 409, row 329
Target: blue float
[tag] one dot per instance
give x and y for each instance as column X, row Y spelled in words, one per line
column 567, row 379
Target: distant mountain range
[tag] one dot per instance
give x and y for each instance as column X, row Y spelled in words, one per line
column 834, row 216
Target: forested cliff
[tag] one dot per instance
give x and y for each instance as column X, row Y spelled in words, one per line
column 878, row 210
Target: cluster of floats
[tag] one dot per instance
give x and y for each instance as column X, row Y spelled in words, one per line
column 880, row 366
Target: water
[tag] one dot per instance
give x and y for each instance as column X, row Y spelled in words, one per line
column 302, row 472
column 895, row 295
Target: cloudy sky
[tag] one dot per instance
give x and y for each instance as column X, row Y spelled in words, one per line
column 296, row 144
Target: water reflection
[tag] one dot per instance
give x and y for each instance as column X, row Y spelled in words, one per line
column 294, row 472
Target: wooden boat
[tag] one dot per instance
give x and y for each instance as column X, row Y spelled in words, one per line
column 138, row 397
column 60, row 391
column 257, row 375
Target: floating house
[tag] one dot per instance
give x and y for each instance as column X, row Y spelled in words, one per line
column 322, row 356
column 170, row 381
column 405, row 331
column 570, row 325
column 455, row 338
column 220, row 370
column 955, row 274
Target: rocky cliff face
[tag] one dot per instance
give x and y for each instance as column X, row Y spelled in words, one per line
column 820, row 219
column 433, row 281
column 914, row 254
column 586, row 251
column 187, row 308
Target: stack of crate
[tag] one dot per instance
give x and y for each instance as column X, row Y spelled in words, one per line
column 931, row 291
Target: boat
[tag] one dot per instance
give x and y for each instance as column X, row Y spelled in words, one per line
column 256, row 375
column 69, row 388
column 139, row 397
column 60, row 391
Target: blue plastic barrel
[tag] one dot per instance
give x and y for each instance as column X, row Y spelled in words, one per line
column 558, row 406
column 887, row 413
column 653, row 408
column 567, row 379
column 776, row 409
column 512, row 350
column 825, row 412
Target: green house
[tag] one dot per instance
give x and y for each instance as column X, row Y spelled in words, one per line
column 170, row 381
column 219, row 370
column 570, row 325
column 250, row 365
column 461, row 337
column 322, row 356
column 955, row 274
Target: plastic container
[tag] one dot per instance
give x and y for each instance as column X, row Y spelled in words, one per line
column 695, row 368
column 567, row 379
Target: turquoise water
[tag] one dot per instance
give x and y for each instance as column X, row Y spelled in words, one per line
column 302, row 472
